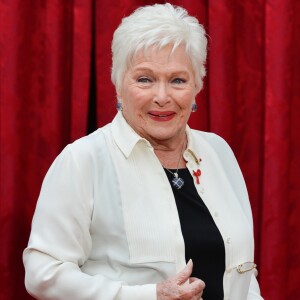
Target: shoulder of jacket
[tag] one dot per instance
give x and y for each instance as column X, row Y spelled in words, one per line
column 87, row 147
column 214, row 140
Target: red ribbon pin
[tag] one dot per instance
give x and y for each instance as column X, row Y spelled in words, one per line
column 197, row 174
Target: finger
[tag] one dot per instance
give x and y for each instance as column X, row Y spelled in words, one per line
column 192, row 279
column 185, row 274
column 192, row 291
column 196, row 287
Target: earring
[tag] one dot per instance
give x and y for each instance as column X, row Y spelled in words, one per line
column 119, row 106
column 194, row 107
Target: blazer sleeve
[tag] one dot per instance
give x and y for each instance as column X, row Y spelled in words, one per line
column 60, row 239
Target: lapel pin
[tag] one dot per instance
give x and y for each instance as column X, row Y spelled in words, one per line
column 197, row 175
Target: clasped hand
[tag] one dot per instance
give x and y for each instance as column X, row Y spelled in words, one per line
column 175, row 289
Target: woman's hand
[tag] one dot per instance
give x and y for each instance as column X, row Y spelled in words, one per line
column 175, row 289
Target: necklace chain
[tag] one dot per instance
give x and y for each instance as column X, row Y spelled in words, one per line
column 175, row 174
column 180, row 157
column 177, row 182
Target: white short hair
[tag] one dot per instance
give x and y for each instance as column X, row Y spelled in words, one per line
column 158, row 25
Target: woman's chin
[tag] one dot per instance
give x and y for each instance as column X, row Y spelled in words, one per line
column 164, row 135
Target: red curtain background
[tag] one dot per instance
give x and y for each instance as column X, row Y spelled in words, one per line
column 55, row 87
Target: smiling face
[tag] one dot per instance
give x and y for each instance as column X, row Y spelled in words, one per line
column 157, row 94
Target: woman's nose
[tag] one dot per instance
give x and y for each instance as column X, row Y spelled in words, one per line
column 161, row 94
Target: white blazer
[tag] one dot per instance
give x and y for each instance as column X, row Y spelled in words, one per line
column 106, row 224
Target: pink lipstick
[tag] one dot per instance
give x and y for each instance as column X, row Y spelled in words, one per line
column 161, row 116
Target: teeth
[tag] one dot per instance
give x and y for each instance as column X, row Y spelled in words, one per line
column 160, row 115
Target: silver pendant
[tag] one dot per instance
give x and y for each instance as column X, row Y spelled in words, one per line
column 177, row 182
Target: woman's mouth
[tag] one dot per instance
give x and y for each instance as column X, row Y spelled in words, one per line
column 161, row 116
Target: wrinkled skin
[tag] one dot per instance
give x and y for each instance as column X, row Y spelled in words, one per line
column 181, row 286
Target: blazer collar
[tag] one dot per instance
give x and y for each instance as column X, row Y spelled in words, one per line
column 125, row 137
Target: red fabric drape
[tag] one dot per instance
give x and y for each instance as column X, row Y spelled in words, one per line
column 55, row 87
column 45, row 74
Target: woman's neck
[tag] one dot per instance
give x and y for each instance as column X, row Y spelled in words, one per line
column 171, row 156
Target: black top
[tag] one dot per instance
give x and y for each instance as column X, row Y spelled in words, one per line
column 203, row 241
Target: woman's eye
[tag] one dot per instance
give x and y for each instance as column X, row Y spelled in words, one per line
column 144, row 80
column 178, row 80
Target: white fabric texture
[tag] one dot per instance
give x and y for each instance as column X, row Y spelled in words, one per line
column 106, row 224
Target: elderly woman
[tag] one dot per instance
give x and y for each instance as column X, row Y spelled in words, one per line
column 145, row 207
